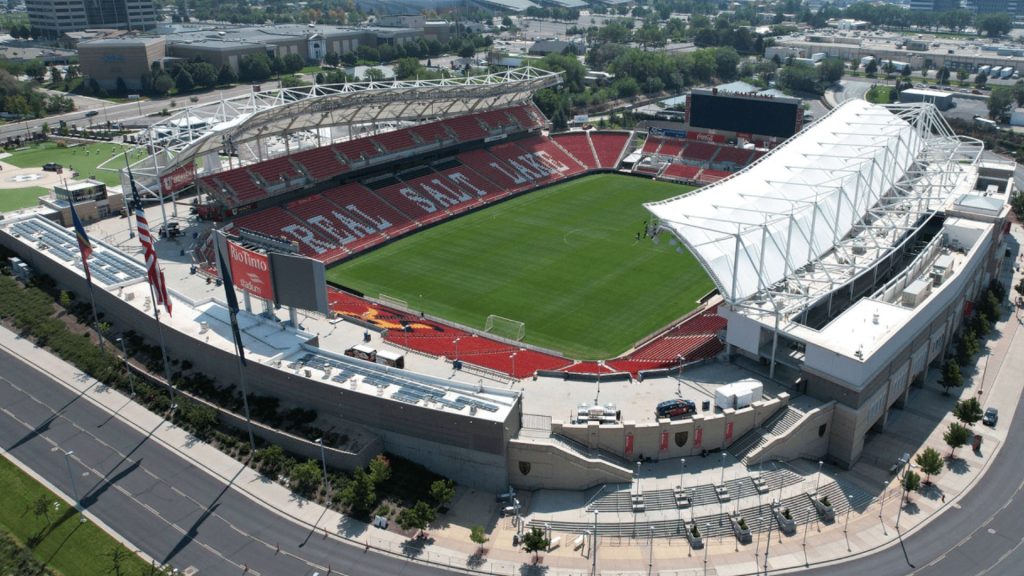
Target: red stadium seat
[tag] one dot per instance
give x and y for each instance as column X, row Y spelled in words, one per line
column 578, row 146
column 609, row 147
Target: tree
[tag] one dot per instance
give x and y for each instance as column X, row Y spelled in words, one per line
column 911, row 482
column 956, row 436
column 416, row 518
column 162, row 84
column 121, row 86
column 930, row 462
column 831, row 70
column 55, row 75
column 942, row 75
column 871, row 68
column 254, row 67
column 999, row 103
column 534, row 541
column 41, row 507
column 272, row 460
column 968, row 411
column 305, row 477
column 726, row 62
column 442, row 492
column 951, row 376
column 360, row 493
column 204, row 74
column 373, row 74
column 118, row 554
column 293, row 63
column 994, row 25
column 478, row 536
column 226, row 75
column 407, row 68
column 980, row 79
column 1018, row 92
column 183, row 81
column 380, row 469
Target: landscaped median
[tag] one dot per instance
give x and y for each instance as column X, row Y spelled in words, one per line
column 43, row 534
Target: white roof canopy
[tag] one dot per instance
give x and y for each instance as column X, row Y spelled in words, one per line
column 757, row 228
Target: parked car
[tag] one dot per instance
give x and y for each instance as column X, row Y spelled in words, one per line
column 91, row 113
column 991, row 417
column 52, row 167
column 673, row 408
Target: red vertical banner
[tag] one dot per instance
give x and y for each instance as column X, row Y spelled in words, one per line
column 664, row 441
column 697, row 437
column 629, row 444
column 728, row 431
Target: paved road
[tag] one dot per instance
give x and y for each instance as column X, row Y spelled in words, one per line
column 168, row 508
column 980, row 536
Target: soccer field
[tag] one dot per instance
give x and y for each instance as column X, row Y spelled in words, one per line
column 565, row 260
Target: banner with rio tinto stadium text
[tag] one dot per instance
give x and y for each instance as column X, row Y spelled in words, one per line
column 177, row 179
column 250, row 271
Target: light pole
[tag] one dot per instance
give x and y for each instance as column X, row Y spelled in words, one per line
column 650, row 555
column 323, row 460
column 806, row 527
column 707, row 542
column 881, row 507
column 721, row 489
column 818, row 480
column 457, row 348
column 903, row 493
column 593, row 548
column 131, row 379
column 757, row 546
column 846, row 525
column 679, row 376
column 74, row 489
column 513, row 358
column 682, row 493
column 768, row 543
column 635, row 500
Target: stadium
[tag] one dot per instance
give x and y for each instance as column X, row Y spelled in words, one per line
column 833, row 266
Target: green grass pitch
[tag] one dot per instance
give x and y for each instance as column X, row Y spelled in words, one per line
column 564, row 260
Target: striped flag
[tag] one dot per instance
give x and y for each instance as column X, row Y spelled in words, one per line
column 84, row 246
column 156, row 275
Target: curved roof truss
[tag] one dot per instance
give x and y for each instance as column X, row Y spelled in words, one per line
column 240, row 123
column 821, row 208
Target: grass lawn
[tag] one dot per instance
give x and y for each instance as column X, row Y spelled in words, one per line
column 564, row 260
column 84, row 158
column 21, row 197
column 57, row 539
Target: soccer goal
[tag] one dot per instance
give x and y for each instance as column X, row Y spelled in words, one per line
column 505, row 328
column 393, row 302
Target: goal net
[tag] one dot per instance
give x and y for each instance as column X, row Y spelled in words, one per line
column 505, row 328
column 393, row 302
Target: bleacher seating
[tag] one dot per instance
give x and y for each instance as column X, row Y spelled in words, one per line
column 354, row 196
column 609, row 147
column 537, row 143
column 578, row 145
column 737, row 156
column 671, row 147
column 496, row 119
column 487, row 164
column 321, row 163
column 240, row 182
column 682, row 172
column 466, row 128
column 700, row 151
column 431, row 133
column 395, row 140
column 274, row 220
column 652, row 144
column 708, row 175
column 357, row 150
column 276, row 170
column 528, row 116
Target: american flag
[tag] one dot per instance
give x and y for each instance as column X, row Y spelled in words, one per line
column 156, row 276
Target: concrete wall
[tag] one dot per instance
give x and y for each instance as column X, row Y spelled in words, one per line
column 553, row 467
column 687, row 437
column 107, row 62
column 809, row 438
column 466, row 448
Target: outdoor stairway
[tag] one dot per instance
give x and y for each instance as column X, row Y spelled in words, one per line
column 774, row 426
column 775, row 479
column 613, row 502
column 660, row 500
column 845, row 495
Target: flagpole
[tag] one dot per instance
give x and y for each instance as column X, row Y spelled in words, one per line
column 163, row 345
column 245, row 396
column 85, row 249
column 236, row 334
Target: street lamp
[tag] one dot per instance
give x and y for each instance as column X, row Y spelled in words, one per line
column 818, row 480
column 74, row 489
column 633, row 504
column 768, row 542
column 903, row 482
column 707, row 543
column 650, row 555
column 846, row 525
column 682, row 494
column 127, row 367
column 593, row 548
column 806, row 527
column 323, row 460
column 757, row 546
column 457, row 348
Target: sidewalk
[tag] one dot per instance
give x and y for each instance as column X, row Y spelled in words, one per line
column 997, row 381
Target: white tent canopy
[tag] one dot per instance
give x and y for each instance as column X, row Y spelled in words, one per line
column 755, row 228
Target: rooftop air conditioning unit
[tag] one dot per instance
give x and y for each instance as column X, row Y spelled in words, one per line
column 203, row 327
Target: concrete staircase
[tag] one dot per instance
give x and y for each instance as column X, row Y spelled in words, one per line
column 775, row 426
